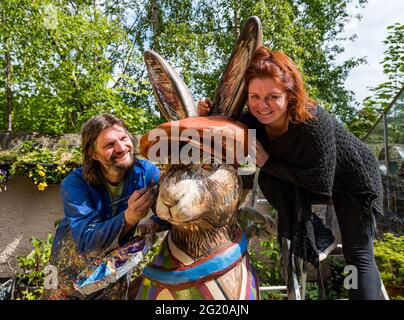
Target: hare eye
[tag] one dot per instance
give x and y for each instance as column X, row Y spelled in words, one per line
column 164, row 167
column 215, row 165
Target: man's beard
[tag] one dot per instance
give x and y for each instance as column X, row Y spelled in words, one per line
column 121, row 167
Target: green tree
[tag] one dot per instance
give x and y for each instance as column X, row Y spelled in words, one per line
column 197, row 38
column 64, row 64
column 11, row 17
column 393, row 68
column 76, row 58
column 384, row 93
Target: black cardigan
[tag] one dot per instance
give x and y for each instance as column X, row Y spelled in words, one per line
column 307, row 164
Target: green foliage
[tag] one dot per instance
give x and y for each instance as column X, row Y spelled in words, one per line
column 383, row 94
column 305, row 30
column 311, row 291
column 65, row 61
column 41, row 164
column 390, row 260
column 31, row 278
column 266, row 261
column 363, row 121
column 393, row 68
column 3, row 180
column 333, row 285
column 272, row 295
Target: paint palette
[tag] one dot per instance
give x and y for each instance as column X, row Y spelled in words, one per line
column 115, row 265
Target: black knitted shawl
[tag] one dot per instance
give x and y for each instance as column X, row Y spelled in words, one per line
column 306, row 165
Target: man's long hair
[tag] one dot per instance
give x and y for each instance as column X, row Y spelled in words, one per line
column 89, row 134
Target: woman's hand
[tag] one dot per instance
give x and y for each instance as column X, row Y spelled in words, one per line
column 261, row 155
column 204, row 107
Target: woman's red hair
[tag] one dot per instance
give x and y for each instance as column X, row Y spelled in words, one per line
column 278, row 66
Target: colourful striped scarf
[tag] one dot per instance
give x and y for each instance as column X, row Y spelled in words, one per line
column 226, row 273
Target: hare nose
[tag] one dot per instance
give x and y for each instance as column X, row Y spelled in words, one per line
column 169, row 204
column 169, row 201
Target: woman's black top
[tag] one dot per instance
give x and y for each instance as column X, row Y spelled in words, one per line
column 311, row 161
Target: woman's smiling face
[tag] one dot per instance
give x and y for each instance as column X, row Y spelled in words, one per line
column 268, row 101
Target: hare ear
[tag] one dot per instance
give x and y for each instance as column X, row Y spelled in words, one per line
column 173, row 97
column 231, row 95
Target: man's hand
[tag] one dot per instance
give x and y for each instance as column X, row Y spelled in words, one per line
column 204, row 107
column 138, row 205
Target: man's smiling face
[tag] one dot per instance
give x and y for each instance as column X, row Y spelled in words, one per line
column 114, row 149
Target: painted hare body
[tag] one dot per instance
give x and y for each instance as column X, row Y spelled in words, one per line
column 204, row 255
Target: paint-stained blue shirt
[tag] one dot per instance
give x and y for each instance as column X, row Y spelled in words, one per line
column 88, row 208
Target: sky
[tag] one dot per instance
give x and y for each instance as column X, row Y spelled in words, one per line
column 371, row 31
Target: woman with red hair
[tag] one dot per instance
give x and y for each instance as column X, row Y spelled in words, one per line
column 307, row 157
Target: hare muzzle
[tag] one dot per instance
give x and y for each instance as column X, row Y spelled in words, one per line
column 198, row 195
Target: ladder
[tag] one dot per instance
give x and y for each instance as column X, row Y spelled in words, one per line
column 295, row 289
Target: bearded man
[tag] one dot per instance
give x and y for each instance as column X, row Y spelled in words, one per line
column 103, row 201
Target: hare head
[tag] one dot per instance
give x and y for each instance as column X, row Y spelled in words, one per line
column 200, row 198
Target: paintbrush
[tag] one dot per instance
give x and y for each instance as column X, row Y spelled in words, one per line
column 153, row 185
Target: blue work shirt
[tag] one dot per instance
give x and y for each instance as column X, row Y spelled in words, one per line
column 88, row 208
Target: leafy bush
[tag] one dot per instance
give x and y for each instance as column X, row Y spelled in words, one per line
column 31, row 279
column 42, row 165
column 333, row 286
column 390, row 260
column 269, row 272
column 266, row 261
column 3, row 180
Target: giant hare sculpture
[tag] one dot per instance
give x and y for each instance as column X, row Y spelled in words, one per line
column 204, row 255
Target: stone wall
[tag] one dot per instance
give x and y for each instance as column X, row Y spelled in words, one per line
column 10, row 139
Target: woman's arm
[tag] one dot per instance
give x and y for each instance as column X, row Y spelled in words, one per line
column 311, row 160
